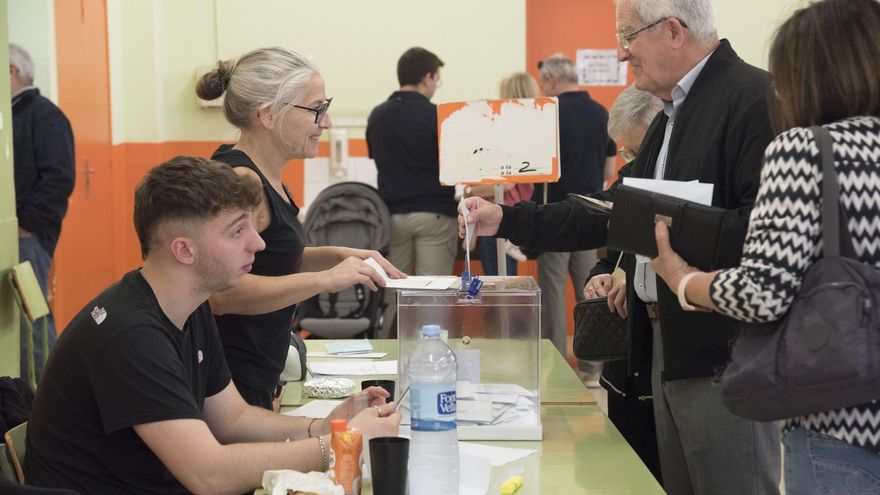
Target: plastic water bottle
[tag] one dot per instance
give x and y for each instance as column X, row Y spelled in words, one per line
column 433, row 453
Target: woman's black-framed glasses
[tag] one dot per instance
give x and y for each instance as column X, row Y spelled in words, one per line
column 319, row 110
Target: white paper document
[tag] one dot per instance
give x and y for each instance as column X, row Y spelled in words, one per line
column 697, row 192
column 422, row 282
column 494, row 404
column 501, row 388
column 464, row 390
column 353, row 368
column 499, row 456
column 412, row 282
column 318, row 408
column 349, row 347
column 365, row 355
column 468, row 234
column 479, row 411
column 474, row 472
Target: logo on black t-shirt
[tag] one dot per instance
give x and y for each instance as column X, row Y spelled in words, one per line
column 99, row 315
column 201, row 356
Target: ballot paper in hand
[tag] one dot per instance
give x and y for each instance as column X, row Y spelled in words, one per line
column 468, row 234
column 413, row 282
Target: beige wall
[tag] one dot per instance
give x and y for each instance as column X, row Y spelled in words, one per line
column 31, row 25
column 157, row 46
column 750, row 25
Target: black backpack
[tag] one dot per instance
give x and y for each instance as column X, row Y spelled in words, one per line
column 16, row 398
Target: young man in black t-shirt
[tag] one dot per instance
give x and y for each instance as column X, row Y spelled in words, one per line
column 137, row 397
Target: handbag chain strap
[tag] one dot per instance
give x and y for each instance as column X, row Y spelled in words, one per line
column 617, row 265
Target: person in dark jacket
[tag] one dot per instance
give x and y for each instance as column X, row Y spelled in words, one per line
column 45, row 171
column 714, row 129
column 628, row 381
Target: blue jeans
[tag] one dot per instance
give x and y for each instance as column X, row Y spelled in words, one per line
column 29, row 249
column 816, row 464
column 488, row 253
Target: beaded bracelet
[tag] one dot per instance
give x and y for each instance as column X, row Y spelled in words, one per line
column 309, row 431
column 325, row 465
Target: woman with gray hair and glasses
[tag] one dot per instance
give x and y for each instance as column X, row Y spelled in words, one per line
column 275, row 97
column 628, row 382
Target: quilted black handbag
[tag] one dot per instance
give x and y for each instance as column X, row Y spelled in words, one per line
column 599, row 334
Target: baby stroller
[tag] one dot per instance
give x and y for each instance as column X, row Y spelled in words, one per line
column 347, row 214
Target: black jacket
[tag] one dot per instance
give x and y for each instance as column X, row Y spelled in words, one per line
column 721, row 131
column 45, row 170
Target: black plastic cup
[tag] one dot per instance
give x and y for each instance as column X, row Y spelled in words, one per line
column 388, row 385
column 389, row 457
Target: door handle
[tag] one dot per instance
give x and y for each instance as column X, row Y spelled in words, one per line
column 87, row 173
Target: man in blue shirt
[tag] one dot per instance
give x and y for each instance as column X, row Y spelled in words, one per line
column 402, row 139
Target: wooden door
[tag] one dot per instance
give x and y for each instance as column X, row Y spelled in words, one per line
column 84, row 260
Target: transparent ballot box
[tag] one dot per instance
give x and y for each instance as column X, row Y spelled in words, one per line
column 496, row 339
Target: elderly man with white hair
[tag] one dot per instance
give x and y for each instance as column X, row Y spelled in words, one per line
column 44, row 178
column 714, row 128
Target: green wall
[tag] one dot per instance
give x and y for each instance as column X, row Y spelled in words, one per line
column 157, row 46
column 9, row 341
column 751, row 24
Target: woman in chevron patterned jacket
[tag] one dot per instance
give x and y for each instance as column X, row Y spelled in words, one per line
column 825, row 70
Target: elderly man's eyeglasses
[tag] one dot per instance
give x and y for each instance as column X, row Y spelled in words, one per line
column 624, row 39
column 320, row 110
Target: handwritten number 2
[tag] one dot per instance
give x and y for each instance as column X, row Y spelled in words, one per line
column 526, row 167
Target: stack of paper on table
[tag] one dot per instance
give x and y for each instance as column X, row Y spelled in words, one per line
column 349, row 347
column 358, row 349
column 493, row 404
column 353, row 368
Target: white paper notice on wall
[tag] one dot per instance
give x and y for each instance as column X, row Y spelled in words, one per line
column 600, row 68
column 499, row 141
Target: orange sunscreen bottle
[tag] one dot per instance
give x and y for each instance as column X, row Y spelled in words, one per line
column 345, row 456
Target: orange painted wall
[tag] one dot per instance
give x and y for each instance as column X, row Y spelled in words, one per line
column 137, row 158
column 565, row 26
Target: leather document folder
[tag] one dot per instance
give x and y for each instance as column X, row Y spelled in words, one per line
column 695, row 230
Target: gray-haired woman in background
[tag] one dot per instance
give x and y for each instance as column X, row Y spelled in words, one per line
column 628, row 382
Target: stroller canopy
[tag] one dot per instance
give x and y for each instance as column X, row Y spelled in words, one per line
column 349, row 214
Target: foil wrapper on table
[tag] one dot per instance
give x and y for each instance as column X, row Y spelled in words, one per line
column 328, row 387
